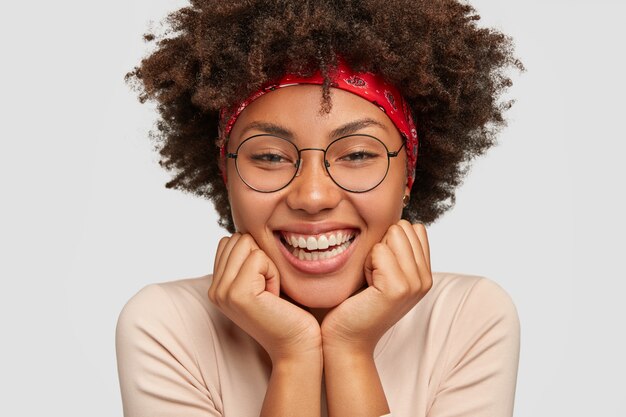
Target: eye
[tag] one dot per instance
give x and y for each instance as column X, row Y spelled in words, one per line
column 269, row 157
column 358, row 156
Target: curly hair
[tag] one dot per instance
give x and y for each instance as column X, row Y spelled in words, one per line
column 215, row 53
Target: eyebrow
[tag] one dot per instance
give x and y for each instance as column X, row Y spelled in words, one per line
column 343, row 130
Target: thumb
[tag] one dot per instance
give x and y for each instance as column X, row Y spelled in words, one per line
column 369, row 267
column 272, row 276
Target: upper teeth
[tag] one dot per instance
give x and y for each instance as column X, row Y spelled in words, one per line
column 321, row 242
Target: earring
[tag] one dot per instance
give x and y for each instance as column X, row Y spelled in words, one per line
column 405, row 200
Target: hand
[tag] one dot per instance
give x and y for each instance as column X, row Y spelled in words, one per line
column 246, row 287
column 398, row 275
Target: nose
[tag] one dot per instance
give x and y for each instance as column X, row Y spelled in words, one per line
column 313, row 190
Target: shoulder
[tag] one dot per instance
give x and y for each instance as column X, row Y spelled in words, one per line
column 168, row 327
column 474, row 312
column 166, row 301
column 468, row 289
column 161, row 313
column 461, row 308
column 176, row 308
column 478, row 345
column 166, row 349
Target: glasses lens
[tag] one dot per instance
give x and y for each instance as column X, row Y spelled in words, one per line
column 267, row 163
column 357, row 163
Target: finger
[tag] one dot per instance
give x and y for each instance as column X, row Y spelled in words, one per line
column 218, row 255
column 382, row 264
column 257, row 274
column 423, row 264
column 416, row 245
column 425, row 270
column 218, row 252
column 237, row 256
column 228, row 247
column 420, row 230
column 384, row 240
column 400, row 246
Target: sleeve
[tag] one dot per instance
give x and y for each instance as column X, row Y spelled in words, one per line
column 157, row 367
column 483, row 353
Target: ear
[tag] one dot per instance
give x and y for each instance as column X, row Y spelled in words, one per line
column 407, row 190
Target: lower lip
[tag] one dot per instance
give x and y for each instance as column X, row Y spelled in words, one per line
column 321, row 266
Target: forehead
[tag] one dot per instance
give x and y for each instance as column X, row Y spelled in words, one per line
column 299, row 109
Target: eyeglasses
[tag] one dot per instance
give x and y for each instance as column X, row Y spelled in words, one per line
column 356, row 163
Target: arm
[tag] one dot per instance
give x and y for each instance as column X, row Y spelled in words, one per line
column 157, row 373
column 246, row 288
column 294, row 388
column 482, row 357
column 398, row 273
column 353, row 386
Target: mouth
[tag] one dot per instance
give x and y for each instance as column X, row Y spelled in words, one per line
column 319, row 253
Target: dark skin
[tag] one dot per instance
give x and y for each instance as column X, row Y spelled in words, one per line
column 340, row 315
column 451, row 72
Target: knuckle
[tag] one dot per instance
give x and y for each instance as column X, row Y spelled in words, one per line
column 421, row 290
column 404, row 222
column 257, row 254
column 378, row 250
column 217, row 299
column 233, row 301
column 426, row 286
column 395, row 229
column 379, row 247
column 417, row 288
column 399, row 290
column 228, row 298
column 221, row 297
column 246, row 238
column 223, row 242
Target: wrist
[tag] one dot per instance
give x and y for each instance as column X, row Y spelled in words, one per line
column 348, row 352
column 310, row 362
column 303, row 348
column 341, row 347
column 353, row 385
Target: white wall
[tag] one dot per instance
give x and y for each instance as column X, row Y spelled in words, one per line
column 86, row 221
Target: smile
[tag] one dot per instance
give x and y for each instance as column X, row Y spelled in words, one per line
column 320, row 253
column 315, row 247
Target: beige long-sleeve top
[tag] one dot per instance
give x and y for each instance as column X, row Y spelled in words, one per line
column 455, row 354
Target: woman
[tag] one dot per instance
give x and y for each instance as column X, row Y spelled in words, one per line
column 303, row 122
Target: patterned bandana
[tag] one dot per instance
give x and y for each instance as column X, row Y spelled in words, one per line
column 365, row 84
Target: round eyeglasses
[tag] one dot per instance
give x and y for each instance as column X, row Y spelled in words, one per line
column 356, row 163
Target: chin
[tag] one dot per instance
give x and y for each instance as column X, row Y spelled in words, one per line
column 320, row 294
column 316, row 301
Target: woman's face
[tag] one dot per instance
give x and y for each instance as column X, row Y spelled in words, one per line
column 312, row 205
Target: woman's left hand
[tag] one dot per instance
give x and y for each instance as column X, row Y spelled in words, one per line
column 398, row 275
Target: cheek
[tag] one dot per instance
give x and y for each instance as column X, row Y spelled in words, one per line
column 239, row 203
column 250, row 210
column 380, row 210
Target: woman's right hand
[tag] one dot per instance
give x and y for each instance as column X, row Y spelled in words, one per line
column 246, row 288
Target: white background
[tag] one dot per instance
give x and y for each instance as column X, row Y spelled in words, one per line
column 86, row 220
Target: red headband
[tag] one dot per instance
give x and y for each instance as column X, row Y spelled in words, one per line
column 365, row 84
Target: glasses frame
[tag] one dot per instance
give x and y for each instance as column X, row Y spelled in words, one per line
column 298, row 164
